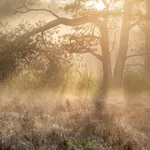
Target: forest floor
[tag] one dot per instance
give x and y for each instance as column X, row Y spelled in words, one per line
column 44, row 121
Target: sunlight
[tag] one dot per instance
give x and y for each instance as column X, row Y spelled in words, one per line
column 93, row 4
column 97, row 5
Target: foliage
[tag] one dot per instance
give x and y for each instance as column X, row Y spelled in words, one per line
column 79, row 143
column 37, row 61
column 88, row 81
column 11, row 53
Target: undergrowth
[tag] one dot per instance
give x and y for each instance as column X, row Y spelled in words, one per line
column 38, row 122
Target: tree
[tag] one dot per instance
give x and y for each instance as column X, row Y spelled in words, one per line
column 46, row 61
column 147, row 43
column 124, row 39
column 100, row 19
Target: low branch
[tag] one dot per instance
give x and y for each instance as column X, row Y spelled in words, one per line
column 137, row 55
column 56, row 22
column 98, row 56
column 136, row 23
column 65, row 21
column 88, row 50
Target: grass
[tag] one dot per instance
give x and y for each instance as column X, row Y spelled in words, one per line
column 42, row 121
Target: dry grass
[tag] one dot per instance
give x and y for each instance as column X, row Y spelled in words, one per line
column 33, row 121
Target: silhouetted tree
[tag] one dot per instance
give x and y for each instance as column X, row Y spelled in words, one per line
column 147, row 45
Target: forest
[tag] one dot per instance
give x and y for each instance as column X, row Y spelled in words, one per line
column 74, row 74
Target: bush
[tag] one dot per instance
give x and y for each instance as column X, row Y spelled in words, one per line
column 35, row 62
column 87, row 82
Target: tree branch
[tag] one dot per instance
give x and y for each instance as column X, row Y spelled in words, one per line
column 56, row 22
column 137, row 55
column 65, row 21
column 136, row 23
column 98, row 56
column 88, row 50
column 142, row 27
column 29, row 9
column 107, row 4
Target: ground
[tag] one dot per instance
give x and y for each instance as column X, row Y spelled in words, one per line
column 44, row 120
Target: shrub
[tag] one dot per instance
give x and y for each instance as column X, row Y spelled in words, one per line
column 88, row 82
column 36, row 62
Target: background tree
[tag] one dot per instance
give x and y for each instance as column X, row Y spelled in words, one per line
column 124, row 39
column 147, row 45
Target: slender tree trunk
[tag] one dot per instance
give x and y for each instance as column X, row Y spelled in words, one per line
column 120, row 62
column 107, row 68
column 147, row 44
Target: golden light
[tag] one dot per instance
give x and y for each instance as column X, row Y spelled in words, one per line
column 99, row 5
column 92, row 4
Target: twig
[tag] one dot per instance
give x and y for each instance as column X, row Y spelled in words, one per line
column 136, row 55
column 29, row 9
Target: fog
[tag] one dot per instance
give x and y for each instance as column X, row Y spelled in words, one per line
column 74, row 75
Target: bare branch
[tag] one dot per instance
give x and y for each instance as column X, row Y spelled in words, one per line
column 66, row 21
column 107, row 3
column 137, row 55
column 85, row 49
column 136, row 23
column 29, row 9
column 98, row 56
column 1, row 24
column 56, row 22
column 142, row 27
column 104, row 2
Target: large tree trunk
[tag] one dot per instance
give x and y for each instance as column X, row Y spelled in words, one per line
column 122, row 53
column 147, row 44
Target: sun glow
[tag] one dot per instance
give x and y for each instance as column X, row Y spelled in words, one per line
column 97, row 5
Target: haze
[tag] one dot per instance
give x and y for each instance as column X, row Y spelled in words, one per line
column 74, row 75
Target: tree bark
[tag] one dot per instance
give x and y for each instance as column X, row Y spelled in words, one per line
column 122, row 53
column 107, row 68
column 147, row 44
